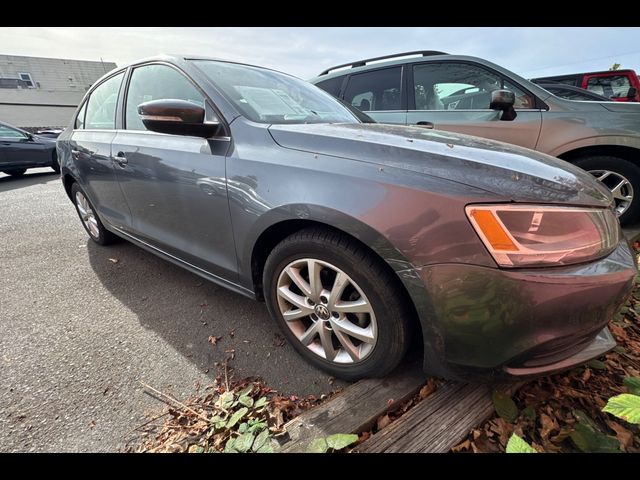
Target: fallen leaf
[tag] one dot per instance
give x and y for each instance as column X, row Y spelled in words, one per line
column 462, row 446
column 114, row 260
column 428, row 389
column 624, row 436
column 548, row 425
column 213, row 340
column 383, row 421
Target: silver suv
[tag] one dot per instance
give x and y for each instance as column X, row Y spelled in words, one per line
column 473, row 96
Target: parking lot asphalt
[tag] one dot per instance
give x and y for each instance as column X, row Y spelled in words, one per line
column 82, row 325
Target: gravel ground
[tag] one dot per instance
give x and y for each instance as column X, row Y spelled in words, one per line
column 78, row 331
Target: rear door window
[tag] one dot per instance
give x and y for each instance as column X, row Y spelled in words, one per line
column 331, row 86
column 378, row 90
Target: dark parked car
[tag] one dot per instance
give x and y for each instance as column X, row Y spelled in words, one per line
column 360, row 237
column 572, row 93
column 20, row 150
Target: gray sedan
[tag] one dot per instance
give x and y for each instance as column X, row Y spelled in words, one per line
column 360, row 237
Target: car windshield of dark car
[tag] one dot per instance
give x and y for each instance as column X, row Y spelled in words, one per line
column 266, row 96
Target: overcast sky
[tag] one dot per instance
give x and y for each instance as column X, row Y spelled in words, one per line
column 531, row 51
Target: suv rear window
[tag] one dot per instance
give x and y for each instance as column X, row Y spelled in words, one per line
column 375, row 91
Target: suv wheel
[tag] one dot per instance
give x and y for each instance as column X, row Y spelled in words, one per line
column 89, row 217
column 622, row 178
column 337, row 304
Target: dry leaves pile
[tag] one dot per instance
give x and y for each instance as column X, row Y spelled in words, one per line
column 563, row 412
column 227, row 414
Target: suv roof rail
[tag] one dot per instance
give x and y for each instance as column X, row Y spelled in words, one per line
column 361, row 63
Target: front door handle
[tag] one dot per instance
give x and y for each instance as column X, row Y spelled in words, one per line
column 120, row 159
column 425, row 124
column 75, row 154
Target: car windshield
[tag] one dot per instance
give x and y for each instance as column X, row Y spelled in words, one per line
column 266, row 96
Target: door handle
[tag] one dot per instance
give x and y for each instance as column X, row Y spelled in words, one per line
column 425, row 124
column 120, row 159
column 75, row 154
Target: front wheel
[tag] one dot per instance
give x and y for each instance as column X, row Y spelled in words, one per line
column 337, row 304
column 622, row 179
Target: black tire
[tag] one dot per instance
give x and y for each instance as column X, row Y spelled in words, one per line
column 16, row 173
column 104, row 237
column 389, row 301
column 623, row 167
column 55, row 164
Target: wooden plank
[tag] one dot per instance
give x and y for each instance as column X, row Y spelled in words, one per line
column 354, row 409
column 437, row 423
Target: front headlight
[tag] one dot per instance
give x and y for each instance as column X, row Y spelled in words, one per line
column 535, row 235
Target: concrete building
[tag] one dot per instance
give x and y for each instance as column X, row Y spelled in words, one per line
column 44, row 92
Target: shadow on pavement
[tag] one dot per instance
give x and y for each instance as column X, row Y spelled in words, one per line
column 8, row 182
column 185, row 310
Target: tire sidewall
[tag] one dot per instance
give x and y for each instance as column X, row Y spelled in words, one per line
column 387, row 332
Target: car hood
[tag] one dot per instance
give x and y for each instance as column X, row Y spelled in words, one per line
column 518, row 174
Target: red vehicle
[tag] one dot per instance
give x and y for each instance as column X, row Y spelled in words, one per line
column 618, row 85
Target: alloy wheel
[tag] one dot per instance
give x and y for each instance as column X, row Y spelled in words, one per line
column 87, row 215
column 619, row 187
column 327, row 311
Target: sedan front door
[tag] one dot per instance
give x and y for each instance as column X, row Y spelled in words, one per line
column 175, row 184
column 455, row 96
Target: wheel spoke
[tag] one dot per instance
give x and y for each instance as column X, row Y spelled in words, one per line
column 363, row 334
column 327, row 342
column 603, row 176
column 307, row 337
column 315, row 283
column 347, row 344
column 292, row 298
column 339, row 284
column 617, row 191
column 355, row 306
column 294, row 275
column 291, row 315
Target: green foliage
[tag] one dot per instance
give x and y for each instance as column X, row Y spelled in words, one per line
column 625, row 406
column 615, row 66
column 518, row 445
column 505, row 406
column 589, row 439
column 597, row 364
column 529, row 412
column 633, row 384
column 335, row 442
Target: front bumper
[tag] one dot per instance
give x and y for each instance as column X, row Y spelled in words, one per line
column 498, row 323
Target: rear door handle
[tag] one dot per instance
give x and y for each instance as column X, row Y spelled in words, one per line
column 120, row 159
column 425, row 124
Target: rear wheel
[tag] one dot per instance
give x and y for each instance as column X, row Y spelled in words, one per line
column 337, row 304
column 622, row 179
column 16, row 173
column 89, row 217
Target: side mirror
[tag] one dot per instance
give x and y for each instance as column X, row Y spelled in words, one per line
column 504, row 100
column 632, row 92
column 176, row 117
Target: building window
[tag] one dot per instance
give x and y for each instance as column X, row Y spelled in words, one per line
column 26, row 78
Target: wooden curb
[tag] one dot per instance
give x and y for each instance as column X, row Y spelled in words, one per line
column 353, row 410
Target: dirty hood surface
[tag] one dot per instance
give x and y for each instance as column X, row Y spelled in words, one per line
column 513, row 172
